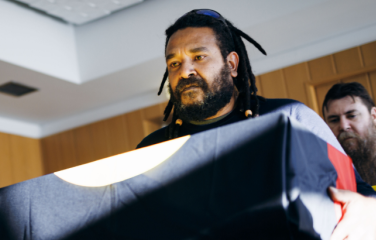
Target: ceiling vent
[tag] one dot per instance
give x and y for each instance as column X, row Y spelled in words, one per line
column 16, row 89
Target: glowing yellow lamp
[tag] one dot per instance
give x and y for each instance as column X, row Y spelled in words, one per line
column 121, row 167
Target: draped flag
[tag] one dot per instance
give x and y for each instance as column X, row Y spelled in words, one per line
column 263, row 178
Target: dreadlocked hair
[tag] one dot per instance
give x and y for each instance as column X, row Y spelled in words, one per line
column 228, row 40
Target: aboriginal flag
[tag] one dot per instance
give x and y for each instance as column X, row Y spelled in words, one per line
column 264, row 178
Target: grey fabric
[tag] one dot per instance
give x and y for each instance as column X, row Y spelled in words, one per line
column 310, row 120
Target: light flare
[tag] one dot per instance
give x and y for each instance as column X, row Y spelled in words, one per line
column 123, row 166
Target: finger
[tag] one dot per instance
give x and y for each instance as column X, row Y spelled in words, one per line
column 342, row 230
column 361, row 233
column 361, row 236
column 342, row 196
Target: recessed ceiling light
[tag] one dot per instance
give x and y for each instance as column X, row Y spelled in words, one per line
column 16, row 89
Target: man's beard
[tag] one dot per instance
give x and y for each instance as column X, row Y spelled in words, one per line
column 362, row 152
column 215, row 97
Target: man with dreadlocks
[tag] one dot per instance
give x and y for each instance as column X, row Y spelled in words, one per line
column 211, row 84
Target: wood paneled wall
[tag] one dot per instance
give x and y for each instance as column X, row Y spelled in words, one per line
column 100, row 139
column 20, row 159
column 308, row 82
column 353, row 65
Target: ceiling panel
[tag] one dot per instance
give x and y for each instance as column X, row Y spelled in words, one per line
column 79, row 11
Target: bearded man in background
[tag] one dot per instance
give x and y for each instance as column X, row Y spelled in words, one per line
column 350, row 113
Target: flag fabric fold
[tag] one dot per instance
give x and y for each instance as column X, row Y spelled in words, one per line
column 264, row 178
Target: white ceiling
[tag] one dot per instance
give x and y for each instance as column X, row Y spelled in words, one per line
column 79, row 11
column 114, row 64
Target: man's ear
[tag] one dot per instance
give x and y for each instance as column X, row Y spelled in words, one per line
column 373, row 115
column 233, row 63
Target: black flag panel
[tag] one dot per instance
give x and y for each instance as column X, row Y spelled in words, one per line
column 264, row 178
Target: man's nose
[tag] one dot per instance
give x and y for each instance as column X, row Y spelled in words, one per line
column 344, row 125
column 187, row 70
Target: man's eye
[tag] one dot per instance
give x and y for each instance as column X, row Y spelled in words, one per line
column 333, row 120
column 199, row 57
column 174, row 64
column 351, row 116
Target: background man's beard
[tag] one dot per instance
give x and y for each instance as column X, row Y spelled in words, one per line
column 214, row 99
column 362, row 152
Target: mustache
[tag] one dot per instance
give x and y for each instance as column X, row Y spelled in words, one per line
column 194, row 81
column 345, row 135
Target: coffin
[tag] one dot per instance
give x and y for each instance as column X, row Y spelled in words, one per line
column 263, row 178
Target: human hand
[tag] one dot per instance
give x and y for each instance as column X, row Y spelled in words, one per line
column 359, row 216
